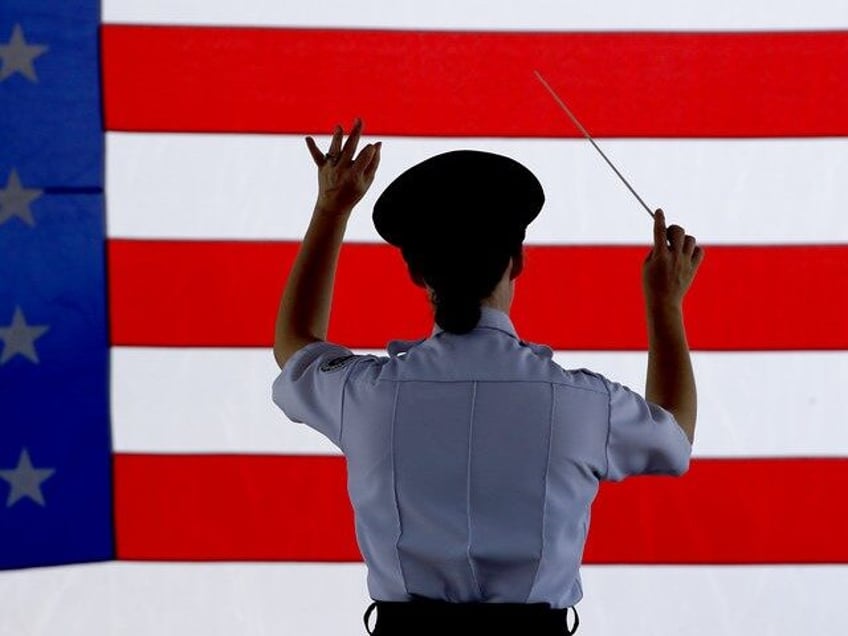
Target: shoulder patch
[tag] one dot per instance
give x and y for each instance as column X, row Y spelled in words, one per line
column 337, row 363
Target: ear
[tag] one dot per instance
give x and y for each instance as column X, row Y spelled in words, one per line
column 517, row 264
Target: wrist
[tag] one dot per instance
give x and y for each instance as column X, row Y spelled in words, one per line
column 327, row 223
column 664, row 310
column 331, row 209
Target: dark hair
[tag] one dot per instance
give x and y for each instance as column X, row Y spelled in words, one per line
column 461, row 274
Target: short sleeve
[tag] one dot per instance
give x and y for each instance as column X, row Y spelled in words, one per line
column 310, row 387
column 643, row 438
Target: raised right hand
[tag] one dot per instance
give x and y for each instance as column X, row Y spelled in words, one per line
column 671, row 266
column 342, row 178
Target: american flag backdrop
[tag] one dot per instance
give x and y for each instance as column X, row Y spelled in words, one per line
column 154, row 185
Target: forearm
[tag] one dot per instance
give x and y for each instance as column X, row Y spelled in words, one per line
column 670, row 379
column 304, row 311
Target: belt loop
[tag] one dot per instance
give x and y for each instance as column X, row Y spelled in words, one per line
column 367, row 616
column 573, row 629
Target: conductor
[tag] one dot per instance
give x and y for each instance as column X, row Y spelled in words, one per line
column 472, row 457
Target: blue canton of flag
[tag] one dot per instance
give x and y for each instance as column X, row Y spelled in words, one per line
column 55, row 455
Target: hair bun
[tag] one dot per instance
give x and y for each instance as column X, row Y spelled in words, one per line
column 458, row 314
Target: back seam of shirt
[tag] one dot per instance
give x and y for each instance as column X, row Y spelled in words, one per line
column 545, row 492
column 394, row 491
column 468, row 488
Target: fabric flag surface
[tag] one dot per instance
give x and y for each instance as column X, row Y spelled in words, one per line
column 154, row 185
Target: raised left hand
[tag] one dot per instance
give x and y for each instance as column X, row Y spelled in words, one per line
column 343, row 180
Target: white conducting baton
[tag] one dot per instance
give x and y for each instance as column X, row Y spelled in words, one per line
column 592, row 141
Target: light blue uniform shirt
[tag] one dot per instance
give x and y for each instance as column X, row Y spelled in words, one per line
column 473, row 459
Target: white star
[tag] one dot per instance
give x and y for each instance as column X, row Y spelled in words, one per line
column 18, row 56
column 25, row 480
column 15, row 200
column 19, row 338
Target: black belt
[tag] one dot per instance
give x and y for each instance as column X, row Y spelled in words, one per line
column 423, row 616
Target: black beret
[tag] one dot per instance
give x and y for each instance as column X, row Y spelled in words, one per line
column 457, row 195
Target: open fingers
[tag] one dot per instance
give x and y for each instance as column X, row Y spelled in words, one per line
column 336, row 143
column 365, row 162
column 317, row 155
column 364, row 158
column 353, row 139
column 371, row 169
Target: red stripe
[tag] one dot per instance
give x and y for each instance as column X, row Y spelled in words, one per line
column 475, row 84
column 296, row 509
column 226, row 294
column 230, row 507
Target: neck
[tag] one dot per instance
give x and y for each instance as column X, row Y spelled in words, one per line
column 501, row 298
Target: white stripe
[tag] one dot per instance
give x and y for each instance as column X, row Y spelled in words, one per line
column 139, row 599
column 542, row 15
column 264, row 187
column 219, row 400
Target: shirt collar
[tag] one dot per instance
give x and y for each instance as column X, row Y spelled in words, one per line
column 490, row 318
